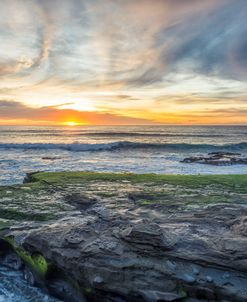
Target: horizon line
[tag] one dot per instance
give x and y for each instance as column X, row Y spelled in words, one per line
column 123, row 125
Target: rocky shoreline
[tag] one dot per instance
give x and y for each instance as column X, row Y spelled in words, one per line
column 126, row 237
column 218, row 159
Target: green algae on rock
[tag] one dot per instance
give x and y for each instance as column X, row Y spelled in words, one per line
column 235, row 181
column 36, row 261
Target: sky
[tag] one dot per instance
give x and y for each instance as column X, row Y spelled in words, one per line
column 123, row 62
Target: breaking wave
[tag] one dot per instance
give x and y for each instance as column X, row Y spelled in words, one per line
column 120, row 145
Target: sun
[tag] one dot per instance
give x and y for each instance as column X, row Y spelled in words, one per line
column 71, row 123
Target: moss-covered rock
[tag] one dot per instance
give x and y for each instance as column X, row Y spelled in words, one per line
column 131, row 236
column 36, row 262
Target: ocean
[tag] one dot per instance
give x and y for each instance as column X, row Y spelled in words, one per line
column 138, row 149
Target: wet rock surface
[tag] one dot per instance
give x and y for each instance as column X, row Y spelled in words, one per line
column 173, row 239
column 218, row 159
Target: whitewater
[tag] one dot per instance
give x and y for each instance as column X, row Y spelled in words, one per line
column 137, row 149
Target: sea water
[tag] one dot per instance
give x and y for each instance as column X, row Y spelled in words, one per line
column 138, row 149
column 13, row 288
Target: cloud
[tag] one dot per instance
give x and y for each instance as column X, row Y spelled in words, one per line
column 38, row 27
column 126, row 41
column 11, row 110
column 123, row 56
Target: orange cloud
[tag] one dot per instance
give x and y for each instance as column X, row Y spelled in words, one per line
column 12, row 112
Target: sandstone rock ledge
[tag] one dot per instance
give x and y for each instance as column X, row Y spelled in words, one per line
column 126, row 237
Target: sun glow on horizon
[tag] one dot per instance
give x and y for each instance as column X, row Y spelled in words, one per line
column 72, row 124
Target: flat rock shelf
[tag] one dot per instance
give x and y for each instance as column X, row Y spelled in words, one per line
column 125, row 237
